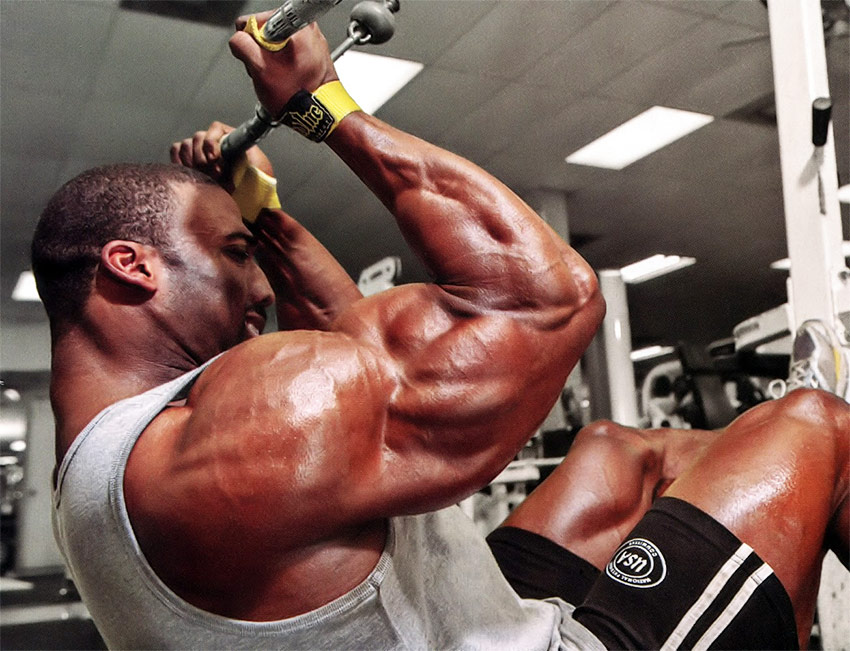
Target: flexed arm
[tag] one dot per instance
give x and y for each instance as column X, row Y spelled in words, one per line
column 464, row 369
column 470, row 230
column 304, row 441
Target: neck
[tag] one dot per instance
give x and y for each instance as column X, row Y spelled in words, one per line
column 89, row 374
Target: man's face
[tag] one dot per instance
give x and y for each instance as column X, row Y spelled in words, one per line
column 217, row 297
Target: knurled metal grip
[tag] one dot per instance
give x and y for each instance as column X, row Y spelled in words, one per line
column 294, row 15
column 288, row 19
column 248, row 133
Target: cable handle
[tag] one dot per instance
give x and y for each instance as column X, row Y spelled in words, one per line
column 372, row 21
column 247, row 134
column 294, row 15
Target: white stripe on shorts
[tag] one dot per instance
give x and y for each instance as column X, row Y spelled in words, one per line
column 707, row 597
column 753, row 581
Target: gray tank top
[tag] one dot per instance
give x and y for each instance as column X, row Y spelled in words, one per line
column 436, row 585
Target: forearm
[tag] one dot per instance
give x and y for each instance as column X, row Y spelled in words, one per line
column 479, row 240
column 310, row 286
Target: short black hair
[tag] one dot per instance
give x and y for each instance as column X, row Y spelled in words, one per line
column 129, row 201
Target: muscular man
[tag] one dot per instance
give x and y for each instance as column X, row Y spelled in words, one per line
column 221, row 489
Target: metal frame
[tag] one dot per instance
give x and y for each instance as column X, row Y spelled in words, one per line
column 819, row 286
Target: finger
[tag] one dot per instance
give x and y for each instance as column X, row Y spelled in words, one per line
column 212, row 143
column 183, row 152
column 262, row 17
column 247, row 50
column 198, row 155
column 174, row 152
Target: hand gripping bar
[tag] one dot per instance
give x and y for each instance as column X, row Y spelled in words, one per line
column 371, row 21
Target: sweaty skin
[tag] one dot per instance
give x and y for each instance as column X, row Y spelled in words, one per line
column 266, row 494
column 777, row 477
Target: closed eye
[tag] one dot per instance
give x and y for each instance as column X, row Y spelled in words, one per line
column 240, row 247
column 238, row 253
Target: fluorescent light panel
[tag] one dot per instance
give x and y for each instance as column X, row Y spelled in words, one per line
column 372, row 79
column 654, row 266
column 651, row 130
column 25, row 288
column 650, row 351
column 785, row 263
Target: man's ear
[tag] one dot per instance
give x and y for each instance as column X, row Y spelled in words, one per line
column 131, row 263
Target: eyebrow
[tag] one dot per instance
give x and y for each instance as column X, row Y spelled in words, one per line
column 250, row 240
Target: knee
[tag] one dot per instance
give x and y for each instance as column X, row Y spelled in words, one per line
column 819, row 409
column 613, row 445
column 816, row 423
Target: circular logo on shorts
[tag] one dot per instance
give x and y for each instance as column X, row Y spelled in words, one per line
column 637, row 563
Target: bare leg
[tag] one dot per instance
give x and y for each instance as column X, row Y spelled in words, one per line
column 777, row 477
column 784, row 488
column 605, row 485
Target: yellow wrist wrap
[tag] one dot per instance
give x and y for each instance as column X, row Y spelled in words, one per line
column 316, row 115
column 253, row 190
column 337, row 99
column 257, row 32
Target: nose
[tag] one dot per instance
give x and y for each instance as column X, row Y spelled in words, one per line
column 261, row 291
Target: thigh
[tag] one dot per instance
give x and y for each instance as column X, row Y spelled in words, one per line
column 682, row 580
column 605, row 485
column 776, row 479
column 538, row 568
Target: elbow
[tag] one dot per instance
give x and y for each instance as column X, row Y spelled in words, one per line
column 585, row 294
column 594, row 304
column 591, row 305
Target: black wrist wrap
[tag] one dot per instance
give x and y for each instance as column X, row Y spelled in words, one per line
column 305, row 114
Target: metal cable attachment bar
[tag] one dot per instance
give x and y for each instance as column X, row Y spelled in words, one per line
column 248, row 133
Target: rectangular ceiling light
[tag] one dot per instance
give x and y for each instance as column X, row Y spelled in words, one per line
column 654, row 266
column 25, row 288
column 785, row 263
column 651, row 130
column 650, row 352
column 372, row 79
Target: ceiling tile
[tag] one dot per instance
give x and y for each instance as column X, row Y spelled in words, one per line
column 515, row 35
column 435, row 99
column 536, row 158
column 316, row 204
column 38, row 123
column 746, row 12
column 705, row 7
column 683, row 64
column 723, row 149
column 224, row 93
column 124, row 132
column 622, row 36
column 157, row 61
column 426, row 30
column 516, row 109
column 746, row 81
column 53, row 46
column 519, row 98
column 298, row 161
column 27, row 182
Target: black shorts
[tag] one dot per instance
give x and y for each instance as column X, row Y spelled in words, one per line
column 680, row 580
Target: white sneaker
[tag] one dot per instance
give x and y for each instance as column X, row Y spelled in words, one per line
column 818, row 361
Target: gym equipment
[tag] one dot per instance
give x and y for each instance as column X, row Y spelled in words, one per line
column 294, row 15
column 371, row 21
column 819, row 283
column 821, row 113
column 380, row 276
